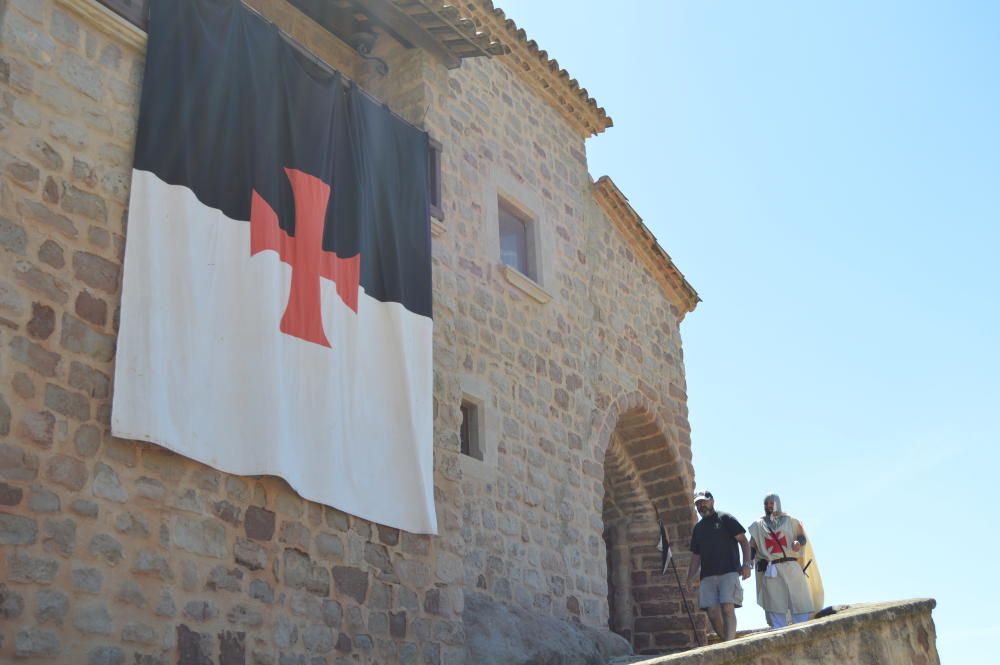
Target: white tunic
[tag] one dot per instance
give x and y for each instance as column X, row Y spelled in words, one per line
column 785, row 588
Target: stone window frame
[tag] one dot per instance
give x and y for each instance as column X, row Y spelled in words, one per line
column 528, row 206
column 476, row 391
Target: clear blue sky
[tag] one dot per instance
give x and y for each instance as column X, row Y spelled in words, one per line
column 827, row 176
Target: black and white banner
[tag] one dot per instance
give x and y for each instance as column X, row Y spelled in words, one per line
column 276, row 307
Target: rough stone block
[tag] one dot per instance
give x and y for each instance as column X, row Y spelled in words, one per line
column 13, row 237
column 259, row 523
column 51, row 606
column 106, row 547
column 96, row 271
column 40, row 213
column 22, row 567
column 81, row 75
column 38, row 427
column 78, row 337
column 35, row 357
column 93, row 618
column 351, row 582
column 67, row 471
column 107, row 485
column 11, row 603
column 43, row 500
column 17, row 530
column 206, row 537
column 43, row 321
column 91, row 309
column 88, row 580
column 89, row 380
column 35, row 642
column 83, row 203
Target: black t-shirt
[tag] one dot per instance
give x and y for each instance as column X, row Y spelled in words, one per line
column 714, row 540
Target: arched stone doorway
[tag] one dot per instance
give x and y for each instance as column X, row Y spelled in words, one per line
column 642, row 469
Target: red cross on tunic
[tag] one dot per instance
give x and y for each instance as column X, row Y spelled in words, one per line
column 775, row 542
column 303, row 317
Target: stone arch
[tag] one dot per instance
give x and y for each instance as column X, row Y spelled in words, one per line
column 645, row 472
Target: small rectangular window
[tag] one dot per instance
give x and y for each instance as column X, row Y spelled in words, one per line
column 469, row 432
column 516, row 248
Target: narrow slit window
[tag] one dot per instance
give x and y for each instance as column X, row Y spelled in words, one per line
column 469, row 432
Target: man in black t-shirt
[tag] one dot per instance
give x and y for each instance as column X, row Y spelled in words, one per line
column 715, row 551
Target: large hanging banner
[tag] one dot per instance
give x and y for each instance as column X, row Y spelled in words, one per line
column 276, row 307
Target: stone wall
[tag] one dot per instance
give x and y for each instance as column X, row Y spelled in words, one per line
column 117, row 550
column 896, row 633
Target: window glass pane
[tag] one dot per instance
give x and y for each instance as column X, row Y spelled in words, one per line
column 514, row 241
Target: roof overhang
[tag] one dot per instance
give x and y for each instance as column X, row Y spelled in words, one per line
column 644, row 243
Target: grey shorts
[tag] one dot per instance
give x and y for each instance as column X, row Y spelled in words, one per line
column 719, row 590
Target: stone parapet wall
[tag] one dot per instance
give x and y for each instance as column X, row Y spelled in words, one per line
column 893, row 633
column 116, row 551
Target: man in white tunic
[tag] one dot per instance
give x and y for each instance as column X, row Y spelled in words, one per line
column 782, row 587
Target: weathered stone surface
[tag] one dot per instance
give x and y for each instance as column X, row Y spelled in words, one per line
column 35, row 357
column 51, row 606
column 222, row 579
column 38, row 427
column 140, row 633
column 60, row 536
column 262, row 591
column 10, row 495
column 91, row 309
column 130, row 593
column 351, row 582
column 67, row 471
column 78, row 337
column 105, row 655
column 96, row 271
column 16, row 464
column 200, row 610
column 329, row 546
column 84, row 508
column 90, row 381
column 317, row 638
column 200, row 536
column 67, row 403
column 41, row 214
column 36, row 642
column 13, row 237
column 17, row 530
column 87, row 440
column 92, row 618
column 22, row 567
column 301, row 573
column 107, row 485
column 232, row 648
column 148, row 562
column 250, row 554
column 193, row 648
column 499, row 633
column 243, row 615
column 43, row 500
column 11, row 603
column 89, row 580
column 106, row 547
column 259, row 523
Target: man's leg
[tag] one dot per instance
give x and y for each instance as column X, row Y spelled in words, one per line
column 729, row 619
column 777, row 619
column 718, row 623
column 799, row 618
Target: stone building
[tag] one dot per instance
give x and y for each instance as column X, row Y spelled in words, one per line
column 559, row 392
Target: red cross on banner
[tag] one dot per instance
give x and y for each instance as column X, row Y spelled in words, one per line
column 303, row 317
